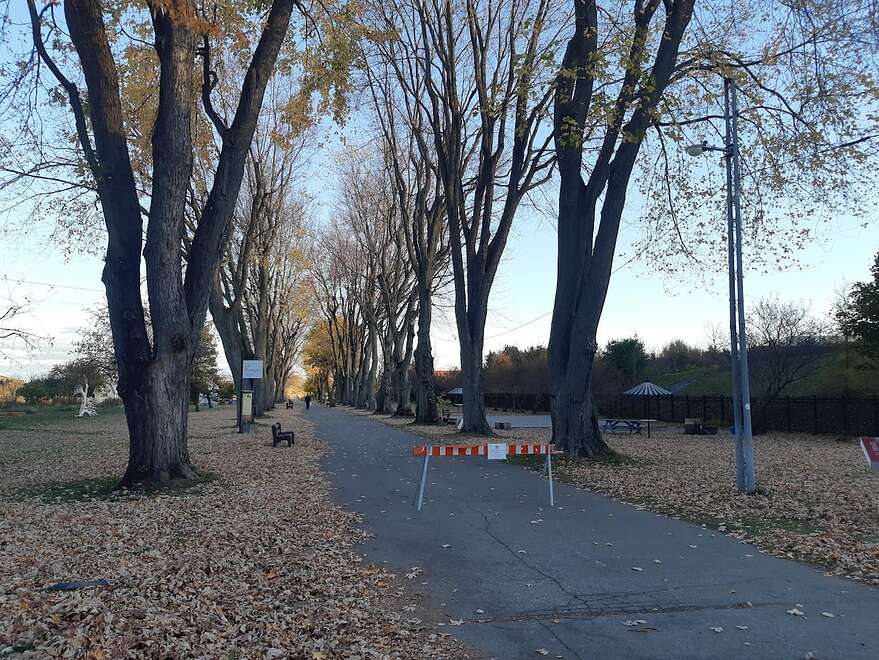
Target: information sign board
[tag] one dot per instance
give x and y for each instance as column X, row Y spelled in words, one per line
column 251, row 369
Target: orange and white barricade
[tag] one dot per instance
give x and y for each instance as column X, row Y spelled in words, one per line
column 491, row 451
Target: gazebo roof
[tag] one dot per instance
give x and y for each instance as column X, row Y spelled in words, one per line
column 647, row 389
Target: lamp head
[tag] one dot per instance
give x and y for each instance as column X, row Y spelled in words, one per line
column 697, row 149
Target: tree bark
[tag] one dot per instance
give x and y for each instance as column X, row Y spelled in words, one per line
column 425, row 390
column 156, row 410
column 472, row 383
column 230, row 336
column 479, row 201
column 371, row 402
column 340, row 388
column 574, row 418
column 383, row 396
column 404, row 400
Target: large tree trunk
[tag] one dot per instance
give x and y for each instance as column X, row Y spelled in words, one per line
column 572, row 347
column 341, row 388
column 360, row 389
column 574, row 418
column 230, row 337
column 384, row 398
column 425, row 392
column 156, row 412
column 404, row 405
column 268, row 385
column 472, row 377
column 371, row 402
column 404, row 384
column 470, row 318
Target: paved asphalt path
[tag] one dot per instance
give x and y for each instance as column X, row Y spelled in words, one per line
column 566, row 579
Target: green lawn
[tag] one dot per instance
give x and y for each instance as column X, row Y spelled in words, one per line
column 833, row 378
column 38, row 414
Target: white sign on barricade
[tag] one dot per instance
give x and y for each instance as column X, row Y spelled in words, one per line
column 491, row 451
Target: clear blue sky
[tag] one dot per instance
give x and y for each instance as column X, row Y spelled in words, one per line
column 656, row 306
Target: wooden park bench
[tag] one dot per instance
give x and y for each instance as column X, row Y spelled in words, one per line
column 630, row 425
column 282, row 436
column 289, row 404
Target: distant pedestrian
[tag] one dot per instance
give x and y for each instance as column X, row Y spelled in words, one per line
column 307, row 401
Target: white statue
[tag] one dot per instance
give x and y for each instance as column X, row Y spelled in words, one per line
column 87, row 406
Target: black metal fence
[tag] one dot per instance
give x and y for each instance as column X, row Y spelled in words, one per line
column 827, row 415
column 835, row 415
column 512, row 401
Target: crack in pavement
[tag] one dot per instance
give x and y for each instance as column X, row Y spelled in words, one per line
column 590, row 613
column 560, row 640
column 572, row 596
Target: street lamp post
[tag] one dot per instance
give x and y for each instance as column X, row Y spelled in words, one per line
column 745, row 479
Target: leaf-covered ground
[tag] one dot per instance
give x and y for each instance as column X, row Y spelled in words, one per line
column 253, row 563
column 817, row 502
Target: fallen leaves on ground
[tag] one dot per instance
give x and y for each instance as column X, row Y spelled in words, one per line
column 816, row 501
column 254, row 563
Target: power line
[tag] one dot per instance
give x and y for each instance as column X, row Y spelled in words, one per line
column 545, row 314
column 50, row 285
column 505, row 332
column 519, row 327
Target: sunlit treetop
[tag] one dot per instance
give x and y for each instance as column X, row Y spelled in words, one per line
column 311, row 70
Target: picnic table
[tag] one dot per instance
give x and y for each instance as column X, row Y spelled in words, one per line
column 630, row 425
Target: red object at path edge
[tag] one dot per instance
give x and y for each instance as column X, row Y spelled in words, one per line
column 871, row 450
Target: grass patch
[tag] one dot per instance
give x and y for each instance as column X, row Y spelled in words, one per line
column 561, row 465
column 102, row 488
column 613, row 458
column 756, row 526
column 35, row 415
column 58, row 492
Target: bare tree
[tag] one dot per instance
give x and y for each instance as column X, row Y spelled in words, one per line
column 154, row 372
column 248, row 302
column 786, row 344
column 485, row 99
column 365, row 213
column 340, row 271
column 401, row 120
column 12, row 333
column 377, row 216
column 638, row 75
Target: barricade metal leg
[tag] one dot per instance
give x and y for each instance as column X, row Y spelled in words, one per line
column 549, row 470
column 423, row 479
